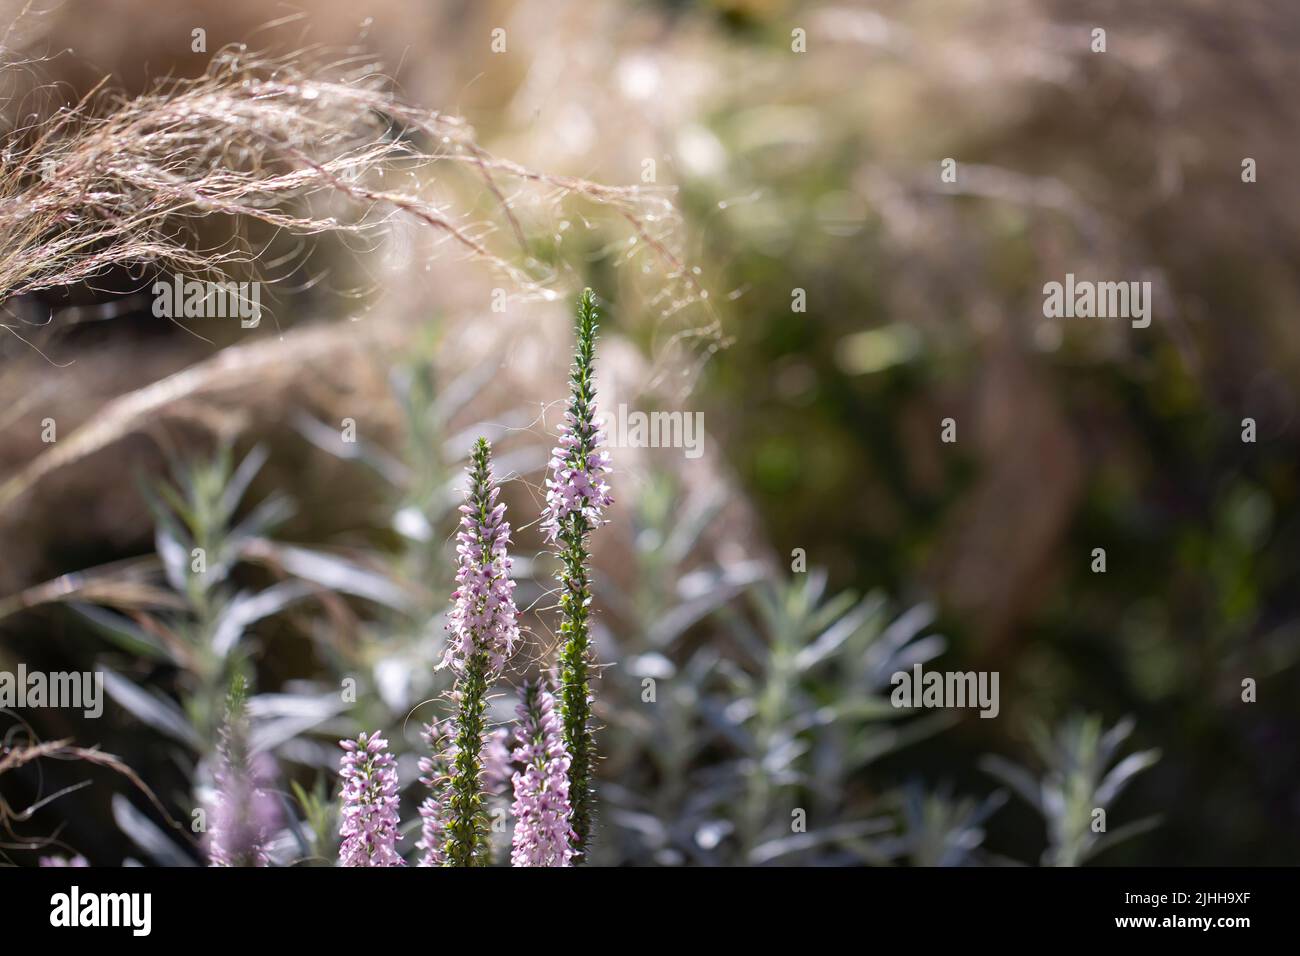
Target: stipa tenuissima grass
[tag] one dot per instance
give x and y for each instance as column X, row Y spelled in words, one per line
column 285, row 142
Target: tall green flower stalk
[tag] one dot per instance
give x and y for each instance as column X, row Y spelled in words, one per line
column 576, row 497
column 483, row 630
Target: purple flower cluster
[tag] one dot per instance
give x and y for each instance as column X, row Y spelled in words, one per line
column 483, row 615
column 245, row 811
column 577, row 483
column 63, row 861
column 369, row 813
column 543, row 834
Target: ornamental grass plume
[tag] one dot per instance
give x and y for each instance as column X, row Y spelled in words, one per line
column 289, row 142
column 245, row 812
column 484, row 628
column 114, row 181
column 543, row 830
column 576, row 498
column 369, row 822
